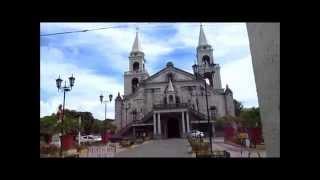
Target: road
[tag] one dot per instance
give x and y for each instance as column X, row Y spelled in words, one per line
column 179, row 148
column 158, row 148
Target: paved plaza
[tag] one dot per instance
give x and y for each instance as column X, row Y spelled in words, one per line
column 178, row 147
column 158, row 148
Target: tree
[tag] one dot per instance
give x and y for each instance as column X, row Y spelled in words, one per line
column 48, row 125
column 89, row 125
column 70, row 125
column 251, row 117
column 238, row 106
column 107, row 125
column 227, row 120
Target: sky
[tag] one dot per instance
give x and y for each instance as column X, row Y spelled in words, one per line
column 98, row 59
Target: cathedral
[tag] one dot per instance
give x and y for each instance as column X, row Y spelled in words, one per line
column 171, row 102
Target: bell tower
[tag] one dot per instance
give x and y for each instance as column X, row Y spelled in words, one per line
column 137, row 71
column 205, row 61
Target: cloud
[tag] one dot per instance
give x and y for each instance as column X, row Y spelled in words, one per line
column 238, row 74
column 99, row 58
column 85, row 93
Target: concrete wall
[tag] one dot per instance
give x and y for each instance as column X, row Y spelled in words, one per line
column 229, row 105
column 118, row 115
column 265, row 51
column 217, row 78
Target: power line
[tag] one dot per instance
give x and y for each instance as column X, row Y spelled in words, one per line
column 79, row 31
column 86, row 30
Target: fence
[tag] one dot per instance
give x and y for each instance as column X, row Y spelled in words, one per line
column 101, row 151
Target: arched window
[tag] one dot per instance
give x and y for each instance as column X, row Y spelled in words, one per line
column 135, row 83
column 170, row 99
column 135, row 66
column 170, row 76
column 208, row 75
column 165, row 100
column 177, row 100
column 206, row 59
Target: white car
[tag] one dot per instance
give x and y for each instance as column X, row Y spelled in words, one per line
column 96, row 137
column 90, row 138
column 196, row 134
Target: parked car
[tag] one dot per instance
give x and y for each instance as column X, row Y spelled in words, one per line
column 96, row 137
column 89, row 138
column 196, row 134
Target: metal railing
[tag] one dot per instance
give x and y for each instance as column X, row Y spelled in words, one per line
column 170, row 106
column 199, row 114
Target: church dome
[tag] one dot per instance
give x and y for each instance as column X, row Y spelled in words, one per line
column 169, row 64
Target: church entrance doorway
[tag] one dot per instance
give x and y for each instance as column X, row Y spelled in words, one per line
column 173, row 128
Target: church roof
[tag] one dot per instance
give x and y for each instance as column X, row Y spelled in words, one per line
column 136, row 44
column 174, row 68
column 187, row 74
column 202, row 37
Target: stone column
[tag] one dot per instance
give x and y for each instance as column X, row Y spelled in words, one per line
column 264, row 41
column 159, row 125
column 183, row 126
column 188, row 123
column 154, row 124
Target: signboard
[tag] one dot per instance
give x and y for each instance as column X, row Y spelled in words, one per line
column 56, row 140
column 102, row 151
column 243, row 135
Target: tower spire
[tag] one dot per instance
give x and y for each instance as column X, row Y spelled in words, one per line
column 202, row 37
column 170, row 86
column 136, row 44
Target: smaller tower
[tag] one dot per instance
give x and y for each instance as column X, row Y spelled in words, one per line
column 229, row 101
column 205, row 61
column 171, row 93
column 137, row 71
column 118, row 111
column 137, row 61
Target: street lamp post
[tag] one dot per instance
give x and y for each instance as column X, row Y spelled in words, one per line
column 213, row 110
column 105, row 102
column 79, row 133
column 195, row 68
column 65, row 89
column 197, row 104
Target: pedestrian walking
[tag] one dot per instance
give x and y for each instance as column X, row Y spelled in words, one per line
column 247, row 145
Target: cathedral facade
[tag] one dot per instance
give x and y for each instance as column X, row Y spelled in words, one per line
column 171, row 102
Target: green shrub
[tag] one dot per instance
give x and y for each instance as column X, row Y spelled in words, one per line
column 126, row 143
column 49, row 149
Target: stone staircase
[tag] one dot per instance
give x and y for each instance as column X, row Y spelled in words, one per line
column 128, row 126
column 197, row 114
